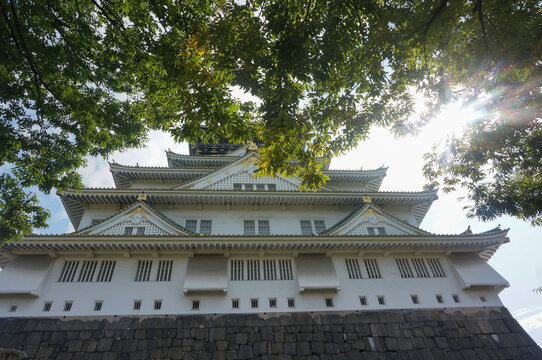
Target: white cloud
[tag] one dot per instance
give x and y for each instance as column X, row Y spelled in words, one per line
column 529, row 317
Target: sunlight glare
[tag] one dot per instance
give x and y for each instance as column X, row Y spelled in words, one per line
column 450, row 122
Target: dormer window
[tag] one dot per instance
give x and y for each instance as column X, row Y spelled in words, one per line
column 255, row 187
column 134, row 230
column 373, row 230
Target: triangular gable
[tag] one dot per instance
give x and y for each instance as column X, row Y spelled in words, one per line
column 241, row 172
column 141, row 218
column 369, row 216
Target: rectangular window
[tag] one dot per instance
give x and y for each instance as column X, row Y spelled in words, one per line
column 420, row 268
column 436, row 268
column 329, row 302
column 205, row 226
column 254, row 303
column 235, row 303
column 128, row 230
column 157, row 304
column 381, row 300
column 195, row 305
column 373, row 230
column 439, row 298
column 143, row 270
column 372, row 269
column 140, row 230
column 272, row 303
column 87, row 271
column 260, row 187
column 47, row 306
column 68, row 305
column 68, row 271
column 415, row 299
column 105, row 274
column 271, row 187
column 237, row 187
column 363, row 300
column 269, row 270
column 191, row 225
column 137, row 304
column 352, row 265
column 456, row 298
column 291, row 302
column 306, row 227
column 263, row 227
column 253, row 269
column 404, row 268
column 236, row 270
column 319, row 226
column 249, row 187
column 13, row 308
column 164, row 270
column 98, row 305
column 249, row 227
column 285, row 269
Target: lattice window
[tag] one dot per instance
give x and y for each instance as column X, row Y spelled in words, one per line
column 137, row 304
column 415, row 299
column 157, row 304
column 143, row 272
column 404, row 268
column 246, row 181
column 319, row 226
column 269, row 270
column 68, row 271
column 235, row 303
column 236, row 270
column 291, row 302
column 306, row 227
column 263, row 227
column 249, row 227
column 47, row 306
column 191, row 225
column 164, row 270
column 195, row 305
column 420, row 268
column 253, row 269
column 237, row 186
column 374, row 230
column 363, row 300
column 68, row 305
column 371, row 267
column 205, row 226
column 439, row 298
column 354, row 271
column 105, row 274
column 98, row 305
column 253, row 303
column 273, row 303
column 381, row 300
column 329, row 302
column 436, row 268
column 285, row 269
column 87, row 271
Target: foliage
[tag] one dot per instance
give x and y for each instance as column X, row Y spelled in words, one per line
column 90, row 77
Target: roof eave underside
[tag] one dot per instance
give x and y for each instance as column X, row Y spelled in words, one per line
column 484, row 245
column 75, row 202
column 123, row 175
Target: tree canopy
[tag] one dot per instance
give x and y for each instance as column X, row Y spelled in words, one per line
column 90, row 77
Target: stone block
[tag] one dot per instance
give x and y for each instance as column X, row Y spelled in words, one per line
column 378, row 330
column 290, row 348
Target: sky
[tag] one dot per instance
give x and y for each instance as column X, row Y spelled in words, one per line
column 518, row 261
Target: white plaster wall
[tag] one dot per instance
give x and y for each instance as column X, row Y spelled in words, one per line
column 119, row 294
column 343, row 186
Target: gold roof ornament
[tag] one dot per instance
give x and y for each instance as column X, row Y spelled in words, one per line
column 142, row 196
column 367, row 199
column 252, row 146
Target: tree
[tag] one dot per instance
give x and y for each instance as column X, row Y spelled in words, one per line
column 91, row 77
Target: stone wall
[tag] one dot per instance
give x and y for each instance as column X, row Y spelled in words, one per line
column 471, row 333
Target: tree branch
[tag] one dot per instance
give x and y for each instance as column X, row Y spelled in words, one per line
column 429, row 22
column 478, row 9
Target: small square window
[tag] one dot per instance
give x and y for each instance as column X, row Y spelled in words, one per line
column 329, row 302
column 254, row 303
column 456, row 298
column 98, row 305
column 363, row 300
column 68, row 305
column 381, row 300
column 157, row 304
column 195, row 305
column 137, row 304
column 47, row 306
column 235, row 303
column 415, row 299
column 483, row 299
column 440, row 300
column 13, row 308
column 291, row 302
column 272, row 303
